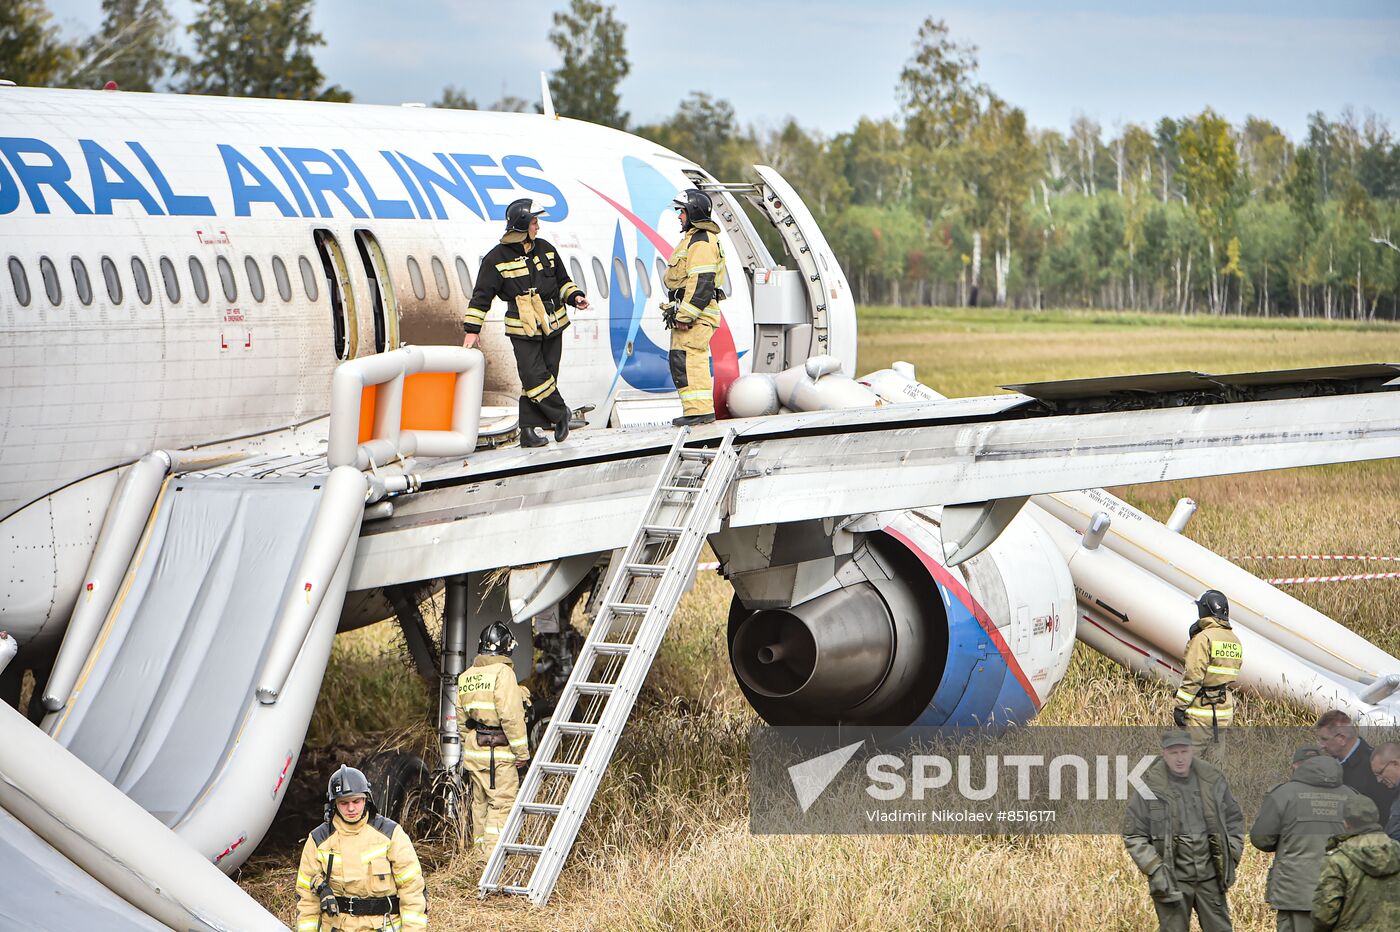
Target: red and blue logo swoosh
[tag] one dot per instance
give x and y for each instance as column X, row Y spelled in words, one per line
column 640, row 362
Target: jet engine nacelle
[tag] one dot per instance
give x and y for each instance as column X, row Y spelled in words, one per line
column 890, row 635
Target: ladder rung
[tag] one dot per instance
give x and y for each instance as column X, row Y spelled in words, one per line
column 567, row 770
column 533, row 851
column 541, row 809
column 595, row 689
column 505, row 888
column 611, row 649
column 663, row 530
column 628, row 608
column 576, row 728
column 701, row 455
column 681, row 488
column 646, row 569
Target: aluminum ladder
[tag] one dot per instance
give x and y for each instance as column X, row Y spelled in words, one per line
column 597, row 700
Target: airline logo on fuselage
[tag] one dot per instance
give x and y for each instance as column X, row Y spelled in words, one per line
column 290, row 181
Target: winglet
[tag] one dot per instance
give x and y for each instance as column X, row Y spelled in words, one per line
column 546, row 100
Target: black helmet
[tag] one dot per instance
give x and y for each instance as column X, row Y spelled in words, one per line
column 519, row 215
column 1213, row 603
column 347, row 781
column 696, row 204
column 497, row 639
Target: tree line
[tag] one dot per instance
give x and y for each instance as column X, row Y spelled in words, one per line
column 955, row 200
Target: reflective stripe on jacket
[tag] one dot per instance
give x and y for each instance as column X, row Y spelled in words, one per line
column 695, row 271
column 373, row 857
column 488, row 693
column 531, row 279
column 1213, row 661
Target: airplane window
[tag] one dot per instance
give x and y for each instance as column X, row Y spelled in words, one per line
column 415, row 275
column 201, row 284
column 172, row 281
column 114, row 282
column 143, row 281
column 601, row 276
column 255, row 282
column 624, row 283
column 576, row 273
column 440, row 276
column 80, row 278
column 464, row 276
column 643, row 278
column 284, row 284
column 308, row 281
column 20, row 279
column 50, row 276
column 226, row 277
column 661, row 271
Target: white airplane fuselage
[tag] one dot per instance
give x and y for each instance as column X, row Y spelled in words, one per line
column 183, row 271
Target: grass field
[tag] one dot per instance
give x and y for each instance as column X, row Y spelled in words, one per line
column 667, row 846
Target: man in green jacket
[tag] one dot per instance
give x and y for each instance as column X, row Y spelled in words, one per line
column 1295, row 821
column 1359, row 890
column 1188, row 840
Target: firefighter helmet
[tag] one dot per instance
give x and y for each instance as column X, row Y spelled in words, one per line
column 519, row 215
column 1213, row 603
column 497, row 639
column 347, row 781
column 696, row 204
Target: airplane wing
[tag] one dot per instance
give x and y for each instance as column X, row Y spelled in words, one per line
column 513, row 507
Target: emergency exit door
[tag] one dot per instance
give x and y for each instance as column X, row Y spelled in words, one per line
column 345, row 322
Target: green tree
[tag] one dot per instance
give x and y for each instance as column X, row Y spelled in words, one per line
column 938, row 91
column 31, row 52
column 1265, row 153
column 874, row 161
column 1210, row 173
column 256, row 48
column 593, row 54
column 701, row 129
column 131, row 47
column 1000, row 162
column 454, row 98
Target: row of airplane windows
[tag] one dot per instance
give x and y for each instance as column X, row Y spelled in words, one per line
column 199, row 282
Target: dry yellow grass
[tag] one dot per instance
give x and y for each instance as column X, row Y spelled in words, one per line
column 667, row 843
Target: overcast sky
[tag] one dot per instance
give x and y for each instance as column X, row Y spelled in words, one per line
column 828, row 62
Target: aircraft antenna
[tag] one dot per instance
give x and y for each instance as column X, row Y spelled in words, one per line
column 546, row 99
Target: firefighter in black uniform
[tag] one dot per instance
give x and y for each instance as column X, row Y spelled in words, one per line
column 528, row 275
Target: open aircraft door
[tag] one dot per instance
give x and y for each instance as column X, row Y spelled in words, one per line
column 801, row 311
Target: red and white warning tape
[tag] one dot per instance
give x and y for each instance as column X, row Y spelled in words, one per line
column 1319, row 556
column 1299, row 580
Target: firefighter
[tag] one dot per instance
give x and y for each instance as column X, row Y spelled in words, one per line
column 495, row 747
column 358, row 869
column 692, row 278
column 1187, row 840
column 1213, row 660
column 527, row 274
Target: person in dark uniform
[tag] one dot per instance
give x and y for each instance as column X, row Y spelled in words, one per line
column 1188, row 839
column 1295, row 821
column 1337, row 736
column 528, row 275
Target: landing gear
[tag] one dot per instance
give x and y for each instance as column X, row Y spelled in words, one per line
column 399, row 782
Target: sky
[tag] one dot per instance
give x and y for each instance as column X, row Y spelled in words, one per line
column 826, row 63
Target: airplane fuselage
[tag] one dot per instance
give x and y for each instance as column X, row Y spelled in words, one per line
column 183, row 271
